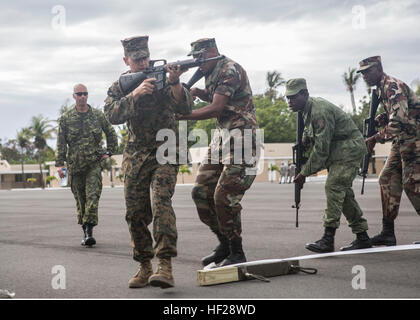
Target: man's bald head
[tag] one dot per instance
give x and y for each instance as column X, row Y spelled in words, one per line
column 79, row 88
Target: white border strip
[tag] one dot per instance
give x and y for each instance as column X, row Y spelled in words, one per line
column 324, row 255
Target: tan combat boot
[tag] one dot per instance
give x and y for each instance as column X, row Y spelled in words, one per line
column 140, row 279
column 163, row 276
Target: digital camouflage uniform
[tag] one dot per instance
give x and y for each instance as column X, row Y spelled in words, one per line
column 337, row 145
column 402, row 169
column 79, row 144
column 221, row 182
column 142, row 171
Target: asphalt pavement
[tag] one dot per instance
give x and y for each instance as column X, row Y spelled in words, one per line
column 41, row 255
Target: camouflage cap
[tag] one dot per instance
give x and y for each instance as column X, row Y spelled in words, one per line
column 293, row 86
column 201, row 45
column 136, row 47
column 369, row 62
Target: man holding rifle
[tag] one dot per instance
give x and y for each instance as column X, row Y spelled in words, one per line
column 146, row 110
column 221, row 181
column 401, row 125
column 332, row 141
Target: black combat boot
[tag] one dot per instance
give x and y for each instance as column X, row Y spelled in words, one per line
column 236, row 255
column 84, row 233
column 220, row 253
column 387, row 235
column 325, row 244
column 362, row 242
column 90, row 240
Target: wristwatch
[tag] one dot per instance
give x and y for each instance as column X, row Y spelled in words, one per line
column 108, row 153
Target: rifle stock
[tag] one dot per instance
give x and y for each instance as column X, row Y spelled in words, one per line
column 369, row 129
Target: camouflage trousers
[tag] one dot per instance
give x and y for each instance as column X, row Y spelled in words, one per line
column 341, row 199
column 87, row 188
column 217, row 193
column 401, row 172
column 140, row 211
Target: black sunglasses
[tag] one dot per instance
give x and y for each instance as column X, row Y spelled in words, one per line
column 81, row 93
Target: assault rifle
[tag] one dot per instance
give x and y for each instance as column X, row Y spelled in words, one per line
column 130, row 81
column 369, row 129
column 298, row 161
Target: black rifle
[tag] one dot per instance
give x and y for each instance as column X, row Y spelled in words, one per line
column 369, row 129
column 198, row 74
column 130, row 81
column 298, row 161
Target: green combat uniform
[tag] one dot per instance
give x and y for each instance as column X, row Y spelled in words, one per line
column 333, row 142
column 222, row 179
column 337, row 145
column 142, row 170
column 79, row 144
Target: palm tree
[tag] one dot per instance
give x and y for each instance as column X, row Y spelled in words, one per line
column 184, row 169
column 41, row 131
column 274, row 80
column 350, row 80
column 23, row 140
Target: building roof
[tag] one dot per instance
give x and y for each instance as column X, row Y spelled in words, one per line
column 6, row 168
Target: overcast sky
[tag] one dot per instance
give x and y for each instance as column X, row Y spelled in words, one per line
column 48, row 46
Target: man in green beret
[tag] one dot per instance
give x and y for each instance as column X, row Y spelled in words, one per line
column 147, row 110
column 221, row 181
column 400, row 124
column 333, row 142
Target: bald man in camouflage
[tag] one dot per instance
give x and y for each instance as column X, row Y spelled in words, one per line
column 221, row 181
column 147, row 110
column 79, row 145
column 332, row 141
column 401, row 125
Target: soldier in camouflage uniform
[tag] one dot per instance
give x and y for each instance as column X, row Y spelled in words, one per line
column 333, row 142
column 221, row 184
column 401, row 125
column 145, row 111
column 79, row 144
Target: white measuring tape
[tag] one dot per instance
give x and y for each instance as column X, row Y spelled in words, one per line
column 324, row 255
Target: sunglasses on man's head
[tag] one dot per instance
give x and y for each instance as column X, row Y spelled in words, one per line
column 81, row 93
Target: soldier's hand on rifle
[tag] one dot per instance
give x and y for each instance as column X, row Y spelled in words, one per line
column 60, row 172
column 381, row 120
column 300, row 180
column 146, row 87
column 370, row 144
column 174, row 72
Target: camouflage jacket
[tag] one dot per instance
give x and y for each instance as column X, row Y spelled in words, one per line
column 333, row 136
column 144, row 119
column 228, row 78
column 80, row 136
column 402, row 108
